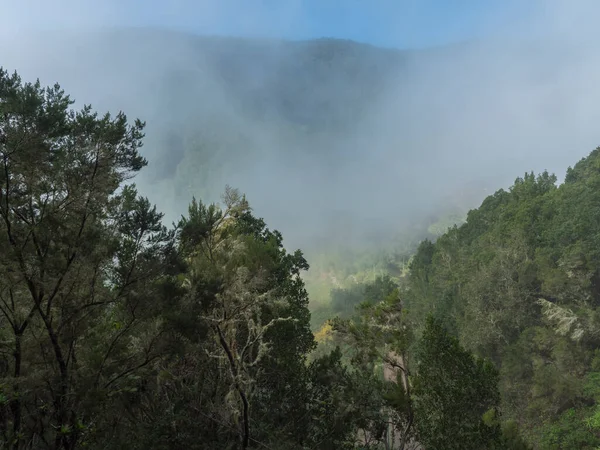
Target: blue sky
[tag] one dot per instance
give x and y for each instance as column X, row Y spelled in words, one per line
column 391, row 23
column 394, row 23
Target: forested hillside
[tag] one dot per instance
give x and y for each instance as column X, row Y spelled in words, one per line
column 519, row 284
column 516, row 284
column 118, row 331
column 322, row 120
column 356, row 153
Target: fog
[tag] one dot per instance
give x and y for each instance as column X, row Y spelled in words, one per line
column 432, row 128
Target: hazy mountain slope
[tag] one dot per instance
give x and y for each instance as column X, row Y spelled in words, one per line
column 327, row 132
column 255, row 114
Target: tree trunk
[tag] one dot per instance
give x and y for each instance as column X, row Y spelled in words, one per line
column 406, row 383
column 61, row 440
column 15, row 404
column 245, row 434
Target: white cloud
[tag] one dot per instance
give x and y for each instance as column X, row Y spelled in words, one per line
column 527, row 100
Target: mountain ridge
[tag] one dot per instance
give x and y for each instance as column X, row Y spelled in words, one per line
column 333, row 123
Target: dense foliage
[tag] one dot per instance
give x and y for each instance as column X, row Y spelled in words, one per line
column 119, row 332
column 519, row 284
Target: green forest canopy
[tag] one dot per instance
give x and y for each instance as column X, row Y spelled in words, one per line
column 119, row 332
